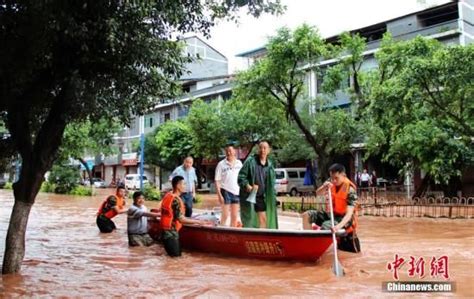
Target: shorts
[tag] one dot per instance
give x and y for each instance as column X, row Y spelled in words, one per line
column 229, row 198
column 172, row 247
column 104, row 224
column 364, row 184
column 322, row 219
column 260, row 204
column 140, row 240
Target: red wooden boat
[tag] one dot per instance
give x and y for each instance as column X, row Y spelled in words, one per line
column 268, row 244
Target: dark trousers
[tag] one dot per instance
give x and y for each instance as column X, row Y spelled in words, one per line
column 188, row 203
column 172, row 247
column 104, row 224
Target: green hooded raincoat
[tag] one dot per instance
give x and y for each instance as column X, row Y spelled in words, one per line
column 247, row 177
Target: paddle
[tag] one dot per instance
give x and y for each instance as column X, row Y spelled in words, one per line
column 337, row 267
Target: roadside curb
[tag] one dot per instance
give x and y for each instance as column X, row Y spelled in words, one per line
column 289, row 214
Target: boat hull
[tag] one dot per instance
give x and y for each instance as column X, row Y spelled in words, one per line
column 267, row 244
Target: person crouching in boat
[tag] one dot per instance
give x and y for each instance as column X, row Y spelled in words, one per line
column 111, row 207
column 257, row 174
column 137, row 222
column 344, row 200
column 172, row 217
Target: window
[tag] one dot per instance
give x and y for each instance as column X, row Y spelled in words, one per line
column 279, row 175
column 373, row 33
column 439, row 16
column 302, row 173
column 150, row 122
column 292, row 174
column 183, row 110
column 167, row 116
column 319, row 80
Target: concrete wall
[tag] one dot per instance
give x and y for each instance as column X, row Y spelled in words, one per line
column 210, row 64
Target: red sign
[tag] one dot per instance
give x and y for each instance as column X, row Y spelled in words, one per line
column 129, row 159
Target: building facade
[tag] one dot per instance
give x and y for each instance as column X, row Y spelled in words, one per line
column 206, row 78
column 451, row 23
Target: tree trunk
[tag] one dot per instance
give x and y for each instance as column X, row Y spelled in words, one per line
column 88, row 170
column 15, row 242
column 421, row 190
column 452, row 188
column 323, row 169
column 25, row 191
column 199, row 173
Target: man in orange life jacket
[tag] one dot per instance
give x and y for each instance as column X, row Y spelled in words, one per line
column 111, row 207
column 344, row 198
column 172, row 217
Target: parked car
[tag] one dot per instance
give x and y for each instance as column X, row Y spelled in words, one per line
column 291, row 181
column 98, row 183
column 132, row 181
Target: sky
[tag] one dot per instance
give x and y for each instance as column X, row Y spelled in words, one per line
column 330, row 17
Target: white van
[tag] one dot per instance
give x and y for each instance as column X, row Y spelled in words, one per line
column 132, row 181
column 291, row 181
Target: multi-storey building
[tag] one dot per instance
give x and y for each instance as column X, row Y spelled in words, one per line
column 451, row 23
column 206, row 78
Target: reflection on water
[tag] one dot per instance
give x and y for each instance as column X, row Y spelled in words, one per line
column 67, row 256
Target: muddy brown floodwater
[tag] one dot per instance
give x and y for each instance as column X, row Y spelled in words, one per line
column 67, row 256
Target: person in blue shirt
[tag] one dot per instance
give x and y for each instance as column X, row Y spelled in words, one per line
column 187, row 171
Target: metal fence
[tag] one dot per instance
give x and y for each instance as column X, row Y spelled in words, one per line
column 390, row 204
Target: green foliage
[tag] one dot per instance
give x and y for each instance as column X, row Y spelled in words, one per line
column 64, row 177
column 173, row 141
column 417, row 105
column 424, row 106
column 48, row 187
column 151, row 193
column 72, row 63
column 8, row 186
column 242, row 122
column 208, row 124
column 296, row 148
column 279, row 80
column 81, row 191
column 88, row 136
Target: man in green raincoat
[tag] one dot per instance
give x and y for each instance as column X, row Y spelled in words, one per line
column 258, row 173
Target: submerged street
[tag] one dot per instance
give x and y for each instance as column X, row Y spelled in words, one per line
column 67, row 256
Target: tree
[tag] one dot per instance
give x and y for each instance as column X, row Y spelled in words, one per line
column 64, row 177
column 86, row 137
column 418, row 106
column 173, row 140
column 423, row 105
column 279, row 77
column 218, row 123
column 63, row 62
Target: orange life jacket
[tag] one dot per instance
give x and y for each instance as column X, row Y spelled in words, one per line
column 167, row 214
column 109, row 212
column 339, row 202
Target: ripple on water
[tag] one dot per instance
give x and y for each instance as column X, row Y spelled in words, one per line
column 67, row 256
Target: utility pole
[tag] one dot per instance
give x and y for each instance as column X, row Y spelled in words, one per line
column 142, row 149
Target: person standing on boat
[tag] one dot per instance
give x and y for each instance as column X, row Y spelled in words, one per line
column 111, row 207
column 258, row 174
column 227, row 186
column 344, row 199
column 173, row 218
column 188, row 172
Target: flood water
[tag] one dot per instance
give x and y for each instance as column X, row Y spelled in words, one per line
column 67, row 256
